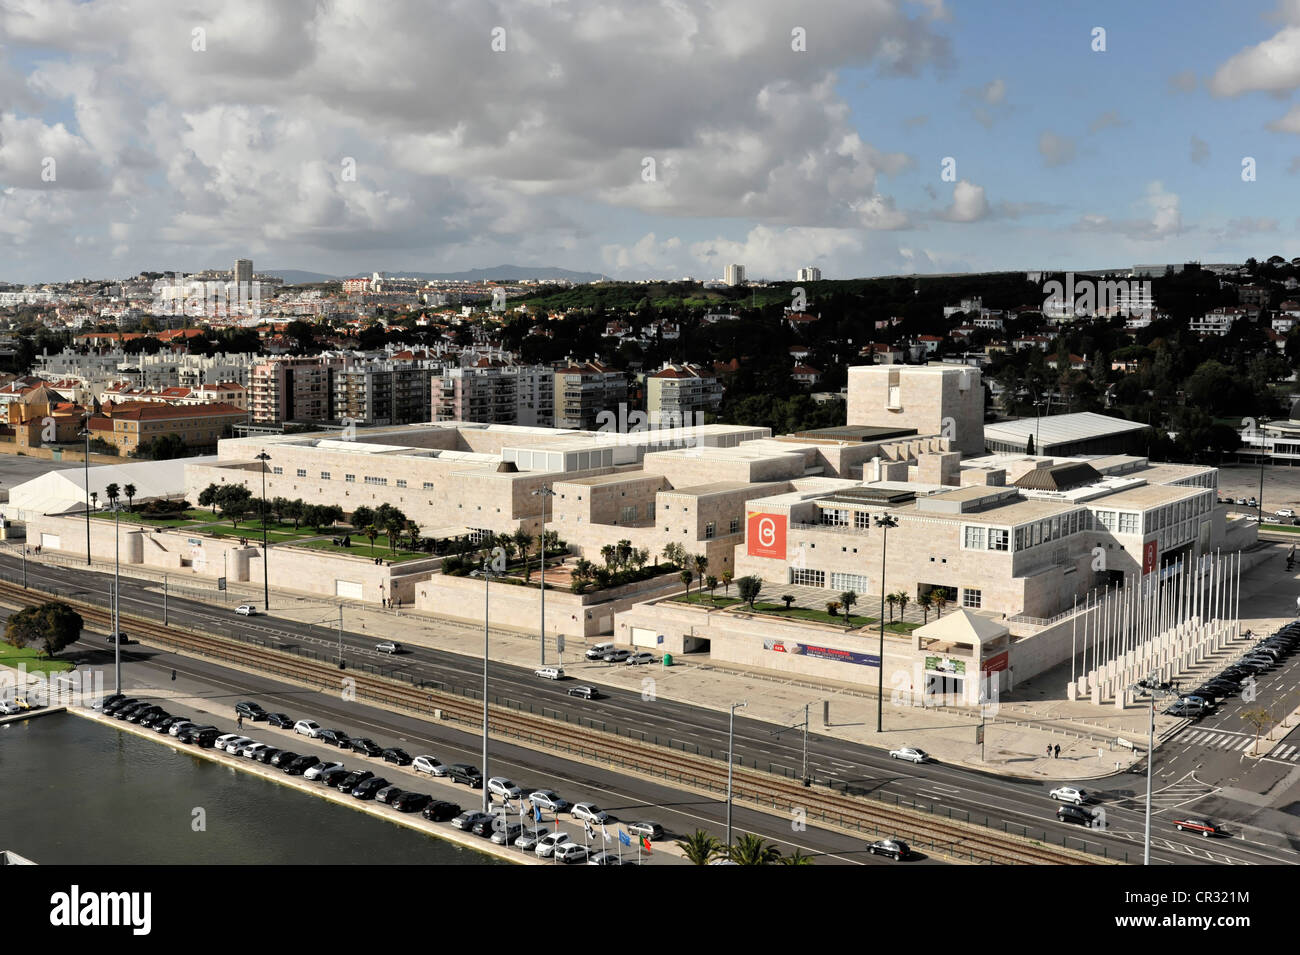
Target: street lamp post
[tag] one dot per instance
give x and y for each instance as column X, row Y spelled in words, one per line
column 731, row 740
column 544, row 492
column 487, row 573
column 1262, row 440
column 85, row 459
column 1156, row 689
column 263, row 457
column 884, row 522
column 117, row 583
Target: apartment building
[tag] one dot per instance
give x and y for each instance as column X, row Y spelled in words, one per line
column 1217, row 321
column 491, row 391
column 682, row 395
column 380, row 393
column 129, row 426
column 291, row 389
column 583, row 390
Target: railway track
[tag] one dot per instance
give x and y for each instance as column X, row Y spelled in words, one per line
column 959, row 840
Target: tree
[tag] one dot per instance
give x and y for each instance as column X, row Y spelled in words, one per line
column 749, row 589
column 925, row 601
column 235, row 501
column 163, row 447
column 940, row 600
column 700, row 847
column 372, row 533
column 712, row 583
column 686, row 577
column 788, row 600
column 112, row 492
column 796, row 858
column 51, row 626
column 1262, row 720
column 208, row 496
column 903, row 601
column 293, row 511
column 94, row 499
column 129, row 491
column 848, row 599
column 726, row 582
column 607, row 554
column 833, row 608
column 754, row 850
column 700, row 564
column 362, row 517
column 892, row 601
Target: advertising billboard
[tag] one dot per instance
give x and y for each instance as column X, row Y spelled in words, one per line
column 765, row 535
column 1150, row 554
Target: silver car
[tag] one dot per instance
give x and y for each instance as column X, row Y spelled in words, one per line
column 320, row 769
column 528, row 839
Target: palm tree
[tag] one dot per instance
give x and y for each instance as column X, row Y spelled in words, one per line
column 712, row 583
column 726, row 582
column 924, row 601
column 754, row 850
column 796, row 858
column 848, row 599
column 129, row 490
column 687, row 577
column 833, row 608
column 94, row 499
column 607, row 554
column 112, row 493
column 903, row 601
column 701, row 564
column 372, row 532
column 891, row 599
column 700, row 847
column 940, row 599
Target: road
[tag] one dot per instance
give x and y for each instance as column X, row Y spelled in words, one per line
column 1020, row 806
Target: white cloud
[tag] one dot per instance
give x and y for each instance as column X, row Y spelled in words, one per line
column 1272, row 66
column 968, row 203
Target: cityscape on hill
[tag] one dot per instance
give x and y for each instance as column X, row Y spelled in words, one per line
column 867, row 451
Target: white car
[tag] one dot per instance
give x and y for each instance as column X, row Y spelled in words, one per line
column 639, row 659
column 389, row 647
column 307, row 728
column 571, row 852
column 320, row 769
column 550, row 673
column 548, row 800
column 910, row 753
column 246, row 610
column 599, row 650
column 500, row 786
column 428, row 764
column 589, row 812
column 529, row 838
column 252, row 749
column 238, row 743
column 546, row 845
column 221, row 742
column 1070, row 794
column 175, row 728
column 1285, row 512
column 9, row 708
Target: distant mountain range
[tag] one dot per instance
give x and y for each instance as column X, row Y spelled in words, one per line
column 509, row 273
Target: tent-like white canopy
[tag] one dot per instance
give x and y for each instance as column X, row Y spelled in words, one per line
column 964, row 627
column 58, row 492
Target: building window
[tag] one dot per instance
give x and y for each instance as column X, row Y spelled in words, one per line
column 835, row 517
column 709, row 530
column 1020, row 538
column 975, row 537
column 735, row 525
column 380, row 481
column 1128, row 524
column 428, row 485
column 855, row 582
column 809, row 578
column 350, row 478
column 277, row 470
column 998, row 538
column 971, row 598
column 861, row 520
column 628, row 514
column 302, row 472
column 401, row 482
column 324, row 475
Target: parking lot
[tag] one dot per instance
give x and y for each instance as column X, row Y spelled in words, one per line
column 1281, row 486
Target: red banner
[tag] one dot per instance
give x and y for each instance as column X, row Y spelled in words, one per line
column 765, row 535
column 994, row 664
column 1150, row 554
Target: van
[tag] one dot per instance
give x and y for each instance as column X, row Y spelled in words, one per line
column 599, row 650
column 550, row 673
column 205, row 736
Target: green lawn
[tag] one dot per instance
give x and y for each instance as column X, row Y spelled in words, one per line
column 705, row 600
column 361, row 548
column 1284, row 528
column 11, row 656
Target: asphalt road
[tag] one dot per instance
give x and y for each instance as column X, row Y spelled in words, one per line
column 1016, row 805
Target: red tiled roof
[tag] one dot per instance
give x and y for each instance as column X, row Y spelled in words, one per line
column 152, row 411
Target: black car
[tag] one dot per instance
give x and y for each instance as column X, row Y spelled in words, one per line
column 283, row 758
column 143, row 713
column 151, row 717
column 440, row 811
column 1074, row 814
column 411, row 802
column 120, row 703
column 118, row 637
column 399, row 756
column 353, row 780
column 334, row 738
column 483, row 827
column 111, row 700
column 386, row 794
column 368, row 786
column 282, row 720
column 366, row 747
column 301, row 765
column 122, row 712
column 268, row 754
column 250, row 711
column 467, row 774
column 584, row 692
column 203, row 736
column 164, row 726
column 895, row 849
column 335, row 776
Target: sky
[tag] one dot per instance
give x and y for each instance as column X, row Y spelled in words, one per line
column 646, row 139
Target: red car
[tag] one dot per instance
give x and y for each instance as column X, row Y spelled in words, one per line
column 1198, row 825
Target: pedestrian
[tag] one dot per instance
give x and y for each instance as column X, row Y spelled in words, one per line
column 239, row 721
column 1057, row 754
column 1049, row 750
column 173, row 674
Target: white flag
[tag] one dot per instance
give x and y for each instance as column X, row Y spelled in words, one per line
column 604, row 833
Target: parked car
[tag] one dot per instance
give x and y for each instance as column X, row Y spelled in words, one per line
column 584, row 692
column 640, row 659
column 9, row 708
column 500, row 786
column 268, row 755
column 486, row 824
column 549, row 800
column 388, row 794
column 589, row 812
column 549, row 673
column 598, row 651
column 1074, row 814
column 281, row 720
column 411, row 802
column 353, row 780
column 246, row 610
column 429, row 764
column 307, row 728
column 117, row 637
column 528, row 839
column 318, row 769
column 468, row 819
column 238, row 743
column 616, row 656
column 203, row 737
column 389, row 647
column 366, row 746
column 604, row 857
column 896, row 849
column 910, row 753
column 176, row 728
column 370, row 787
column 650, row 830
column 222, row 742
column 108, row 701
column 394, row 755
column 440, row 811
column 1071, row 794
column 145, row 713
column 251, row 750
column 571, row 853
column 284, row 758
column 1202, row 826
column 332, row 777
column 467, row 774
column 1285, row 512
column 1184, row 709
column 251, row 711
column 303, row 765
column 546, row 845
column 334, row 738
column 165, row 725
column 1204, row 702
column 119, row 703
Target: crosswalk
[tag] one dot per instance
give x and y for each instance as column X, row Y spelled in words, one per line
column 1214, row 739
column 1283, row 751
column 1180, row 793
